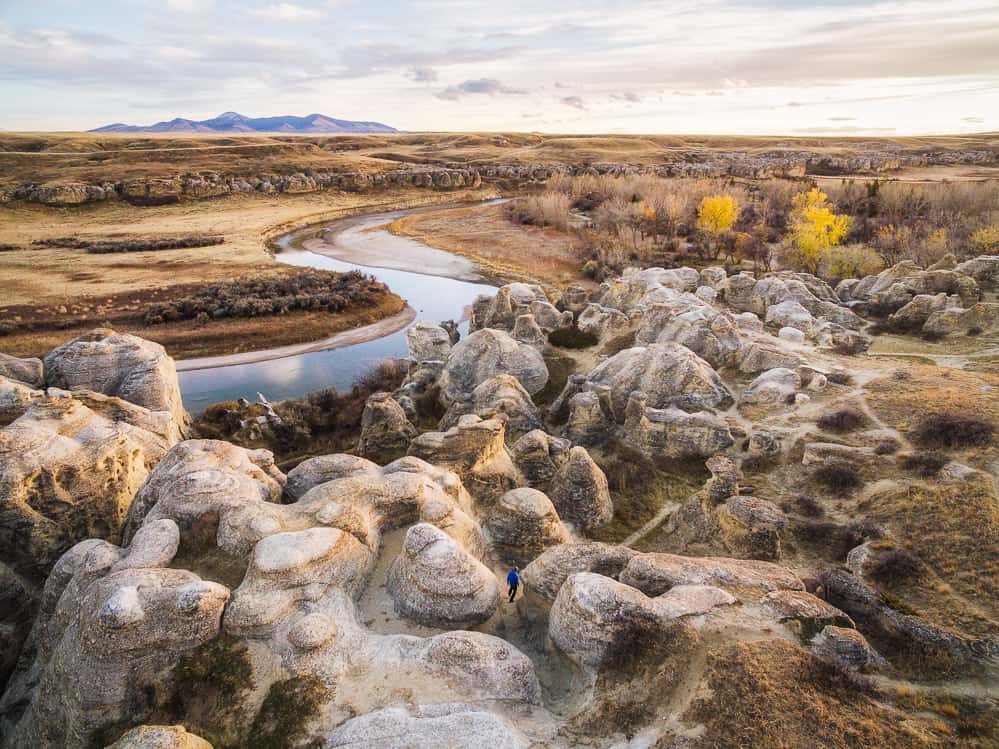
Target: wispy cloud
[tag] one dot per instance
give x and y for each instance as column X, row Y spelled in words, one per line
column 286, row 12
column 576, row 102
column 487, row 86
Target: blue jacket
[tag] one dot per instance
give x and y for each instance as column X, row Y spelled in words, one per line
column 513, row 578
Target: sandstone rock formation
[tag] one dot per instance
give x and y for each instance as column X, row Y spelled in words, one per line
column 160, row 737
column 385, row 430
column 499, row 394
column 435, row 582
column 580, row 492
column 26, row 371
column 486, row 353
column 121, row 365
column 523, row 523
column 668, row 373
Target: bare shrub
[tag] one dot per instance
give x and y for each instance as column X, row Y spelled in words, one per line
column 952, row 431
column 896, row 566
column 838, row 477
column 550, row 208
column 842, row 420
column 926, row 464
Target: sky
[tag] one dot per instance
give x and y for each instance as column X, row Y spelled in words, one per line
column 826, row 67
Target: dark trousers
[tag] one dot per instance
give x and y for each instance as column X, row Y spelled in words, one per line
column 512, row 592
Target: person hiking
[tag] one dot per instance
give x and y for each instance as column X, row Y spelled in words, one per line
column 513, row 581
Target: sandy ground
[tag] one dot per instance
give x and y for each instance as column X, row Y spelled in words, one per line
column 508, row 251
column 380, row 329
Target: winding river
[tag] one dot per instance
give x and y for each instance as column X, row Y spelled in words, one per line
column 437, row 285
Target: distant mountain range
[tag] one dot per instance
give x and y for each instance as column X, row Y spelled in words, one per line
column 233, row 122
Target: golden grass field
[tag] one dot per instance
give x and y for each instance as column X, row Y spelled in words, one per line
column 92, row 157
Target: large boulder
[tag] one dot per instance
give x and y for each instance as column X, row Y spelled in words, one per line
column 15, row 397
column 656, row 573
column 546, row 574
column 671, row 433
column 452, row 725
column 475, row 449
column 668, row 373
column 27, row 371
column 773, row 386
column 500, row 394
column 437, row 583
column 385, row 430
column 324, row 468
column 427, row 342
column 580, row 492
column 486, row 353
column 595, row 619
column 524, row 522
column 121, row 365
column 160, row 737
column 712, row 335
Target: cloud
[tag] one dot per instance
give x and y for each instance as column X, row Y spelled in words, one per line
column 845, row 129
column 841, row 119
column 575, row 102
column 287, row 12
column 627, row 96
column 370, row 59
column 488, row 86
column 973, row 120
column 423, row 74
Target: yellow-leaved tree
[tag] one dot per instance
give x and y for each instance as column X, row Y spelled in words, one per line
column 814, row 229
column 716, row 214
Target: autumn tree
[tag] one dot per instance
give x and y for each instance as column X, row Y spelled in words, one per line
column 814, row 228
column 716, row 214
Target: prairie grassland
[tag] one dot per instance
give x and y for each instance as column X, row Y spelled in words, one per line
column 68, row 157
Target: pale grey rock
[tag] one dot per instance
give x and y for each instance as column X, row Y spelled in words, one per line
column 538, row 456
column 655, row 573
column 580, row 492
column 914, row 314
column 713, row 276
column 385, row 430
column 792, row 335
column 595, row 618
column 758, row 356
column 501, row 310
column 772, row 387
column 574, row 299
column 15, row 397
column 712, row 335
column 118, row 364
column 427, row 341
column 289, row 568
column 526, row 330
column 525, row 520
column 809, row 613
column 830, row 335
column 668, row 373
column 706, row 293
column 107, row 634
column 546, row 574
column 670, row 433
column 589, row 422
column 437, row 583
column 846, row 645
column 499, row 394
column 603, row 322
column 486, row 353
column 790, row 314
column 475, row 449
column 452, row 725
column 959, row 320
column 984, row 269
column 315, row 471
column 749, row 322
column 26, row 371
column 211, row 482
